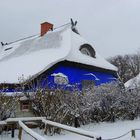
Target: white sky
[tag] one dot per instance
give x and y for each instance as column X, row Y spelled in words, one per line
column 113, row 26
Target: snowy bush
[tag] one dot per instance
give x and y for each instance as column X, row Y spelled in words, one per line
column 7, row 106
column 108, row 102
column 116, row 103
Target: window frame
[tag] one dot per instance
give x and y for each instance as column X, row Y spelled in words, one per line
column 88, row 50
column 25, row 106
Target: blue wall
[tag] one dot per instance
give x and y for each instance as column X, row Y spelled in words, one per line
column 76, row 75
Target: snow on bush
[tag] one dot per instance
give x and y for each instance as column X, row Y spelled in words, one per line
column 107, row 102
column 7, row 105
column 116, row 103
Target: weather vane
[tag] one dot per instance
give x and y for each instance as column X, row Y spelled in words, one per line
column 73, row 26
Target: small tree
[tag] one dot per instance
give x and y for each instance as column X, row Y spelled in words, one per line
column 128, row 65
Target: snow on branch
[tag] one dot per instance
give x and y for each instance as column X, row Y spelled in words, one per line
column 24, row 119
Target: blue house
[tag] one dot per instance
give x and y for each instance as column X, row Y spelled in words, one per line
column 56, row 58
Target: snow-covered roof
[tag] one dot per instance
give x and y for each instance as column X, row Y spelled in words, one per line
column 35, row 55
column 133, row 83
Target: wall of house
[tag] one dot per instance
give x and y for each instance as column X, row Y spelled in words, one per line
column 76, row 75
column 23, row 113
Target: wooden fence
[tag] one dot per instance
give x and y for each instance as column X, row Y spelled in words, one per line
column 28, row 131
column 20, row 122
column 21, row 126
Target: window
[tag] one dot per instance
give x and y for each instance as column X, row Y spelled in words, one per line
column 25, row 106
column 87, row 50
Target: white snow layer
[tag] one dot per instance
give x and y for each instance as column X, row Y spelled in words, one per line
column 133, row 83
column 71, row 129
column 28, row 58
column 91, row 74
column 105, row 130
column 24, row 119
column 59, row 74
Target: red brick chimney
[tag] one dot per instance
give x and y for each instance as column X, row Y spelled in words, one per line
column 45, row 27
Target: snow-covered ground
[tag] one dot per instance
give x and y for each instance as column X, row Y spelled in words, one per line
column 106, row 130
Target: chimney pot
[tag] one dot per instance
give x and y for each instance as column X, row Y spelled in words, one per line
column 45, row 27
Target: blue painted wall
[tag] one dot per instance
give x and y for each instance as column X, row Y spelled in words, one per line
column 76, row 75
